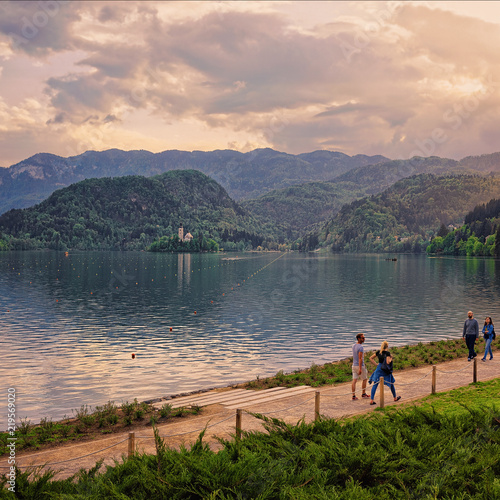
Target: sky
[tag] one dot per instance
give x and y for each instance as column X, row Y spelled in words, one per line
column 398, row 78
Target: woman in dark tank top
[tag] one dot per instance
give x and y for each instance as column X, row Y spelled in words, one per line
column 384, row 369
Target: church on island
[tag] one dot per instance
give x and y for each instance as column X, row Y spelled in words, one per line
column 182, row 237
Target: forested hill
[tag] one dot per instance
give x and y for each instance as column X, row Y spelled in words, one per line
column 296, row 209
column 243, row 175
column 130, row 213
column 378, row 177
column 405, row 216
column 302, row 206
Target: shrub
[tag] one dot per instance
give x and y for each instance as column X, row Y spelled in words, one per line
column 166, row 410
column 129, row 408
column 24, row 426
column 85, row 415
column 112, row 419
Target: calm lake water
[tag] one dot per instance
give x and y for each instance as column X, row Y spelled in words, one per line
column 69, row 323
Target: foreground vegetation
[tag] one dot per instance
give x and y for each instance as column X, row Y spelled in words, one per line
column 88, row 423
column 408, row 356
column 398, row 453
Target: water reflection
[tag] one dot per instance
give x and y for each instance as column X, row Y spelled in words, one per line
column 184, row 269
column 70, row 323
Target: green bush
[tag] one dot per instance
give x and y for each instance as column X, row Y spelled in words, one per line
column 166, row 410
column 387, row 455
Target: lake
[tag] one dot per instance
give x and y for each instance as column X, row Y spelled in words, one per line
column 69, row 323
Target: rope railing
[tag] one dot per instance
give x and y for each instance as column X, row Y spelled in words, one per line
column 455, row 371
column 376, row 382
column 188, row 432
column 68, row 460
column 413, row 382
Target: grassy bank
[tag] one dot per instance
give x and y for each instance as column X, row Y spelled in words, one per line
column 405, row 357
column 413, row 452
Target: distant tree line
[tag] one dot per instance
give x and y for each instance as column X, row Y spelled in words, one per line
column 405, row 217
column 175, row 244
column 479, row 236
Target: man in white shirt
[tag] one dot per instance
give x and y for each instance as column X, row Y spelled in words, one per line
column 358, row 367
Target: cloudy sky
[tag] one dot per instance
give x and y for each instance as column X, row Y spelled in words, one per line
column 393, row 78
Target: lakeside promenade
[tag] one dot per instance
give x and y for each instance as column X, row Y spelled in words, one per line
column 220, row 419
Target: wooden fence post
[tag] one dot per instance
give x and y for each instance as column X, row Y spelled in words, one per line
column 316, row 405
column 381, row 383
column 238, row 424
column 131, row 444
column 474, row 371
column 433, row 379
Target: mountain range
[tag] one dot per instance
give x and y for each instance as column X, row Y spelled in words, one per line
column 310, row 213
column 243, row 175
column 299, row 208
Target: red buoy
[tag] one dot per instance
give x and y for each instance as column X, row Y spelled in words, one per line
column 133, row 355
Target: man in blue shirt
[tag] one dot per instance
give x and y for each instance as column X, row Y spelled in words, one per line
column 470, row 334
column 358, row 367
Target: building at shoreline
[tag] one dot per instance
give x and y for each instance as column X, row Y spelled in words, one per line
column 182, row 237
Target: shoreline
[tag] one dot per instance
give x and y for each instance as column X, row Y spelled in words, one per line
column 291, row 411
column 109, row 421
column 258, row 382
column 254, row 385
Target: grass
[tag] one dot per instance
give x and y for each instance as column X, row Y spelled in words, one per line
column 440, row 448
column 472, row 397
column 89, row 423
column 405, row 357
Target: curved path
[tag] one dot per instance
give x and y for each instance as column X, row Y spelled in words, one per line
column 219, row 414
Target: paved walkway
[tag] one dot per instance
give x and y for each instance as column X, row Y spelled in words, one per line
column 219, row 414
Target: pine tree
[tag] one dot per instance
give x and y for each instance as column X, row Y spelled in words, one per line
column 443, row 230
column 497, row 242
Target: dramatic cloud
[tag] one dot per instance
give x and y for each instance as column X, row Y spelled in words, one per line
column 395, row 78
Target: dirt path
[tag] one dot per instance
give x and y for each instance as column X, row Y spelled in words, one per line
column 335, row 402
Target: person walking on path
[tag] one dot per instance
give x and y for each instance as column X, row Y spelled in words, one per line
column 358, row 367
column 470, row 334
column 384, row 369
column 489, row 335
